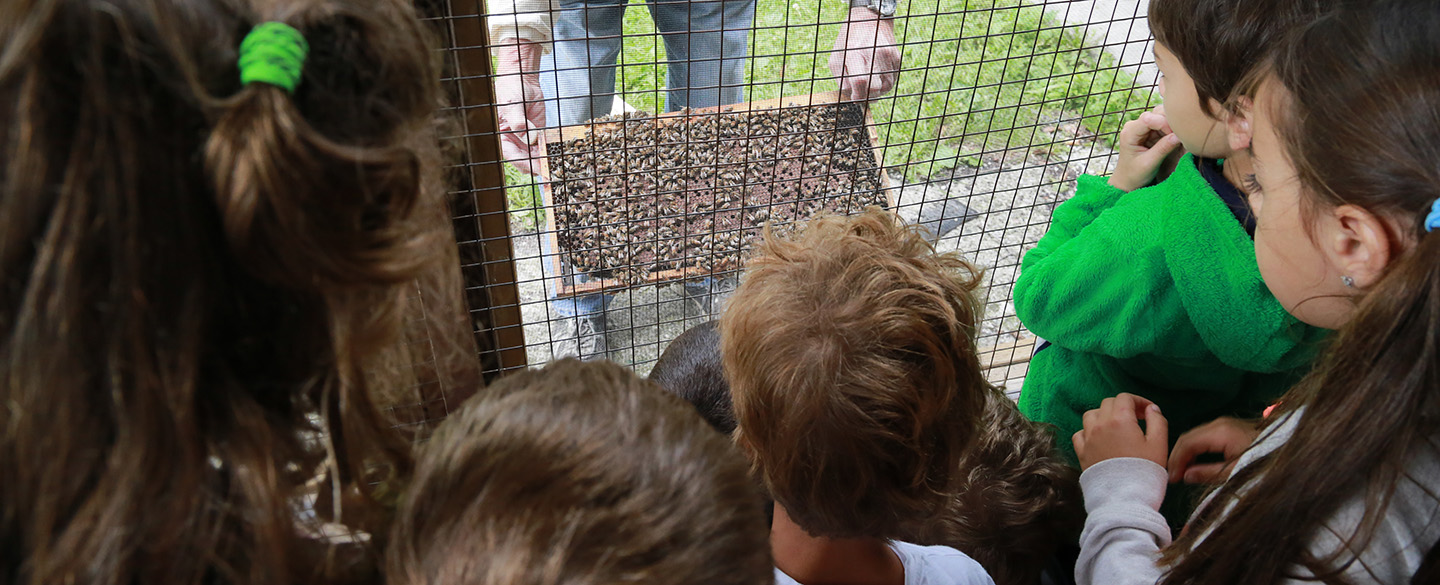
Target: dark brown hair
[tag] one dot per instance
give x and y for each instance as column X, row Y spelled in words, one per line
column 580, row 473
column 1219, row 42
column 691, row 369
column 851, row 358
column 201, row 284
column 1016, row 502
column 1362, row 128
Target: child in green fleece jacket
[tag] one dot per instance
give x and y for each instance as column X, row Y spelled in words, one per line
column 1154, row 289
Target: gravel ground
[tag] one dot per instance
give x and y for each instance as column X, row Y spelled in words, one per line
column 990, row 215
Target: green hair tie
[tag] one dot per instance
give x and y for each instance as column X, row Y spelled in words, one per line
column 273, row 53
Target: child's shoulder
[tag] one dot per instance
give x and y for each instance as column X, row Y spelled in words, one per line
column 1184, row 187
column 1190, row 199
column 1185, row 179
column 939, row 565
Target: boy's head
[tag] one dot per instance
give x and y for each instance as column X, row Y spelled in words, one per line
column 578, row 473
column 1207, row 49
column 1016, row 501
column 690, row 368
column 851, row 359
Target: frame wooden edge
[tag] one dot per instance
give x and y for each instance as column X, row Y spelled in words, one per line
column 552, row 260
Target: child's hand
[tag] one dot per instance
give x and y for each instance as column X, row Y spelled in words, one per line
column 1113, row 431
column 1144, row 144
column 1224, row 435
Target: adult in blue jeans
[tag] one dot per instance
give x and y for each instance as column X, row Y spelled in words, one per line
column 556, row 63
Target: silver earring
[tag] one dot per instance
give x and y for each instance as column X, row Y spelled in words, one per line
column 1349, row 282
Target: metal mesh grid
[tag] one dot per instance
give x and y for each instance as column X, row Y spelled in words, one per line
column 999, row 106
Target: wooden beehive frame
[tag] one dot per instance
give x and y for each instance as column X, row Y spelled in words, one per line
column 552, row 260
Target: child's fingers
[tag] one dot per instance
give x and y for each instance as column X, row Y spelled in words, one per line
column 1187, row 448
column 1206, row 438
column 1078, row 440
column 1128, row 405
column 1144, row 130
column 1156, row 122
column 1162, row 148
column 1157, row 431
column 1208, row 473
column 1125, row 409
column 1227, row 436
column 1134, row 134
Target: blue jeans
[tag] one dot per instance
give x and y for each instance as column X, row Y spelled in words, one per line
column 705, row 48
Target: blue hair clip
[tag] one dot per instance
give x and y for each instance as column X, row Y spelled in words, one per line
column 1432, row 221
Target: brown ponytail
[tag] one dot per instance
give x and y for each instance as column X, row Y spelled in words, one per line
column 306, row 206
column 1363, row 130
column 202, row 285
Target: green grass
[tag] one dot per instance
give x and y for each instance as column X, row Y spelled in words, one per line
column 522, row 198
column 978, row 76
column 990, row 75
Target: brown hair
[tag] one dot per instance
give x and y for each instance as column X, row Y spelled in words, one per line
column 579, row 473
column 1016, row 502
column 1219, row 42
column 691, row 368
column 851, row 357
column 203, row 282
column 1362, row 129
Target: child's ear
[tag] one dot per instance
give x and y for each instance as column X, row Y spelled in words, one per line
column 1362, row 244
column 1237, row 121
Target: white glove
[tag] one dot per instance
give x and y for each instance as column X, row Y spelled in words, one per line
column 865, row 57
column 520, row 104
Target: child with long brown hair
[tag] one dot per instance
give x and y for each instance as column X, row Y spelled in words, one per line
column 1343, row 483
column 210, row 212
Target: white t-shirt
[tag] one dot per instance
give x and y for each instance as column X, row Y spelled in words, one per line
column 927, row 565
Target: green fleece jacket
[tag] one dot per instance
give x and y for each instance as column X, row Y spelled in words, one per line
column 1154, row 292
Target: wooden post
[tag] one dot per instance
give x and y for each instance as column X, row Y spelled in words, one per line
column 482, row 223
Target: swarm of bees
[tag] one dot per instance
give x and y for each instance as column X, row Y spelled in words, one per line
column 640, row 194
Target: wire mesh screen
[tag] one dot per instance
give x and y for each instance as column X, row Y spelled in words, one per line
column 651, row 143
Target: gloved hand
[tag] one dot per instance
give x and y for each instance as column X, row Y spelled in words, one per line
column 520, row 106
column 865, row 57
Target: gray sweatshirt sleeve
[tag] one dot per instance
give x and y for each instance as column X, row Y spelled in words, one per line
column 1124, row 531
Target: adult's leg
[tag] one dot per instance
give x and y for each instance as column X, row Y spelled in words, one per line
column 706, row 42
column 577, row 324
column 578, row 80
column 578, row 76
column 712, row 294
